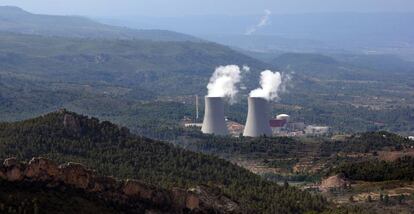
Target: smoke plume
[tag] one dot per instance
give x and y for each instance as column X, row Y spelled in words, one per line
column 271, row 85
column 224, row 82
column 264, row 20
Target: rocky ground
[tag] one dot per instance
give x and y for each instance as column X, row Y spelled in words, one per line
column 131, row 194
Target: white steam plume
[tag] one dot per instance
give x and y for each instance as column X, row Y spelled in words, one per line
column 264, row 20
column 271, row 85
column 224, row 82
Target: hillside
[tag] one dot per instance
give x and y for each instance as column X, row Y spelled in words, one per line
column 350, row 93
column 134, row 82
column 43, row 186
column 64, row 136
column 39, row 74
column 322, row 32
column 354, row 172
column 16, row 20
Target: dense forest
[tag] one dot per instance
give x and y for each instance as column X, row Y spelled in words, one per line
column 118, row 79
column 288, row 147
column 368, row 142
column 64, row 136
column 375, row 170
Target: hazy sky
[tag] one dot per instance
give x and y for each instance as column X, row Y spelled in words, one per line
column 205, row 7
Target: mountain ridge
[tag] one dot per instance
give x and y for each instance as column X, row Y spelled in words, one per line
column 17, row 20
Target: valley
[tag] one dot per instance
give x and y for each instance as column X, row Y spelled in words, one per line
column 115, row 104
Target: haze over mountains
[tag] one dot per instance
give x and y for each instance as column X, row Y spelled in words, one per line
column 343, row 118
column 61, row 63
column 313, row 32
column 16, row 20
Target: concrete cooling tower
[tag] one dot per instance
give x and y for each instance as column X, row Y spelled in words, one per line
column 257, row 123
column 214, row 122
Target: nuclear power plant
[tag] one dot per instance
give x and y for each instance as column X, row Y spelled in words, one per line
column 214, row 121
column 257, row 123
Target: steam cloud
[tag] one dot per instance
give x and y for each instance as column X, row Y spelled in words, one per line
column 224, row 82
column 271, row 85
column 263, row 22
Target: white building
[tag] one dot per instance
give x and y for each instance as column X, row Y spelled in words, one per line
column 316, row 130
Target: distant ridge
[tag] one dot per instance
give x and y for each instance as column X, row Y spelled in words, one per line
column 16, row 20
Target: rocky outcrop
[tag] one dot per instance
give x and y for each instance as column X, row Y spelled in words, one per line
column 334, row 182
column 13, row 169
column 71, row 123
column 42, row 169
column 129, row 193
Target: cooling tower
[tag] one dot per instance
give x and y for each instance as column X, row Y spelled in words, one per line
column 257, row 123
column 214, row 122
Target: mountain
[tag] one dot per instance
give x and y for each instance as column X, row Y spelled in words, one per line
column 51, row 72
column 16, row 20
column 149, row 86
column 346, row 66
column 361, row 33
column 67, row 137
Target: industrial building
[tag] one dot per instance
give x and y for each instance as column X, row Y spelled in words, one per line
column 214, row 121
column 257, row 123
column 316, row 130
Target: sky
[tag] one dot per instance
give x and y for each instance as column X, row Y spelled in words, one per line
column 165, row 8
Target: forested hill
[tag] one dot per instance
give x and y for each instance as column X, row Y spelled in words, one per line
column 39, row 74
column 64, row 136
column 14, row 19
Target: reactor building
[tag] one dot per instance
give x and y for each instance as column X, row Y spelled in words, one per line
column 214, row 121
column 257, row 123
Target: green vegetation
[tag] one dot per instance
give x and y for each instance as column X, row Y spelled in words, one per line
column 285, row 147
column 107, row 71
column 28, row 198
column 111, row 150
column 368, row 142
column 401, row 169
column 112, row 79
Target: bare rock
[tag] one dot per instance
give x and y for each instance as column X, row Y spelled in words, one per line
column 207, row 199
column 131, row 193
column 192, row 202
column 10, row 162
column 14, row 170
column 103, row 184
column 336, row 181
column 137, row 188
column 76, row 175
column 71, row 124
column 42, row 169
column 143, row 191
column 179, row 198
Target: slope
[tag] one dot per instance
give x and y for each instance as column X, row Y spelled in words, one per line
column 65, row 136
column 14, row 19
column 40, row 74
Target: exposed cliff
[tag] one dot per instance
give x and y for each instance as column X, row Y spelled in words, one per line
column 131, row 196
